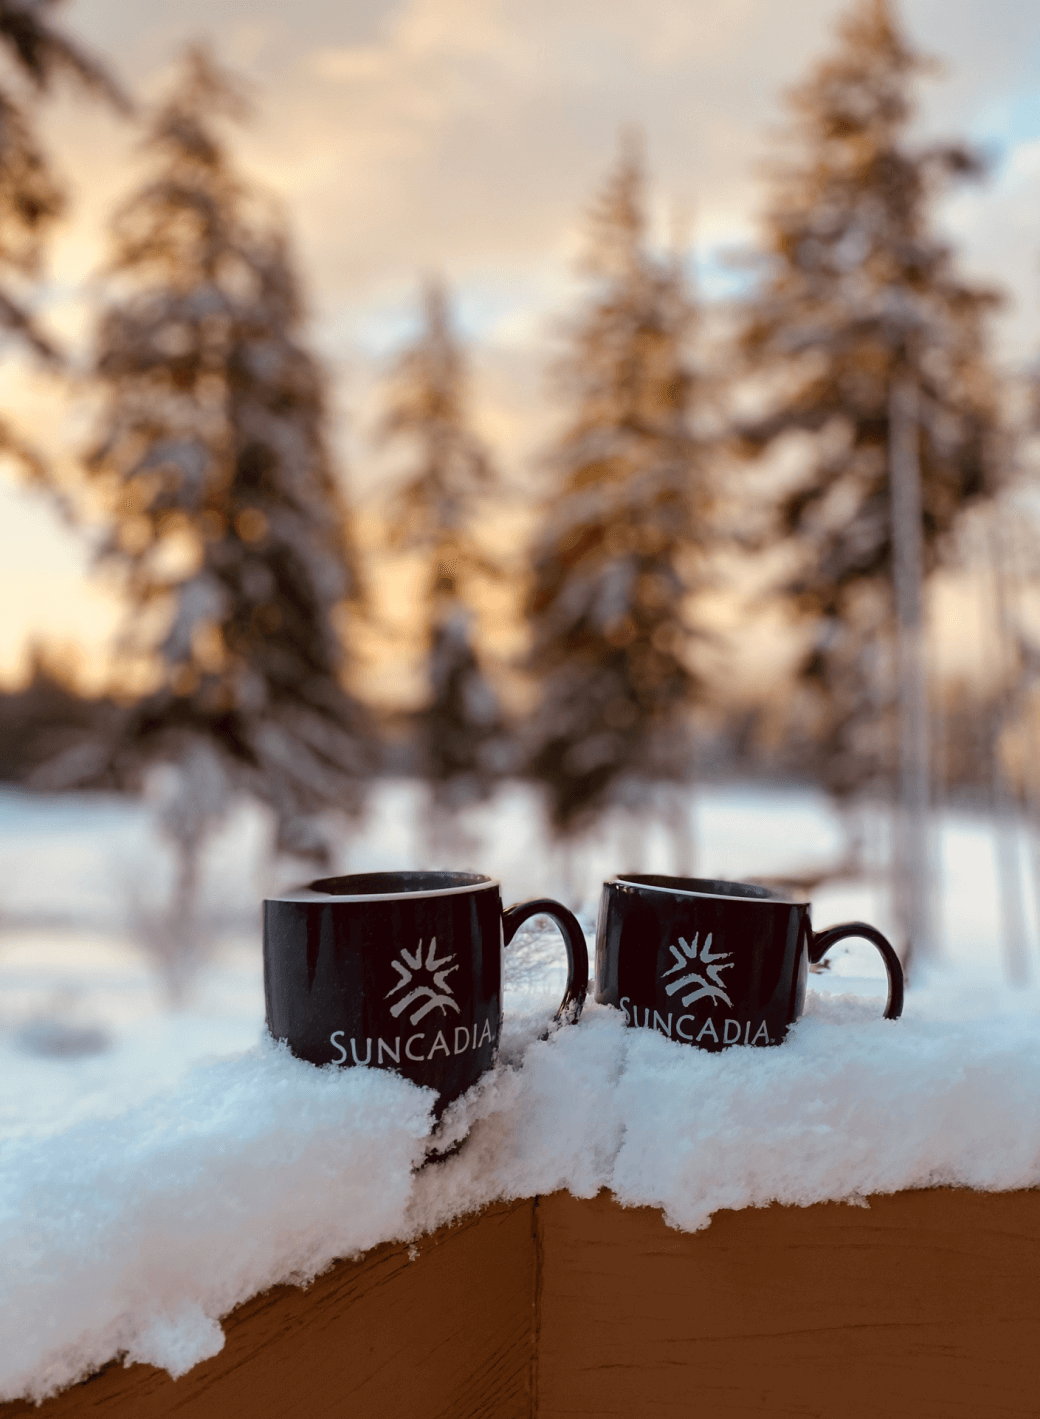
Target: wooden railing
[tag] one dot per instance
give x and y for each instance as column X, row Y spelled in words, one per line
column 924, row 1304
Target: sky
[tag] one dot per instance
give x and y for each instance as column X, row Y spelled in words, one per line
column 467, row 137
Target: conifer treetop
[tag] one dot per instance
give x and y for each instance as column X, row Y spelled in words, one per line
column 861, row 92
column 187, row 226
column 434, row 509
column 627, row 506
column 860, row 301
column 622, row 370
column 859, row 292
column 226, row 511
column 434, row 514
column 850, row 217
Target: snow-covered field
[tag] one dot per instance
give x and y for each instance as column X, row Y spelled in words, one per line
column 159, row 1167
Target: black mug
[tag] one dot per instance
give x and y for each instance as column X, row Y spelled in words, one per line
column 401, row 970
column 715, row 963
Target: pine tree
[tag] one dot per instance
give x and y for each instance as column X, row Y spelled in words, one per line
column 876, row 352
column 32, row 199
column 227, row 519
column 616, row 552
column 461, row 729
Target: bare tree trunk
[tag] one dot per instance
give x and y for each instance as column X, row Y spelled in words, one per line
column 433, row 853
column 1028, row 682
column 1009, row 875
column 1019, row 584
column 180, row 943
column 678, row 816
column 1031, row 787
column 1032, row 808
column 184, row 902
column 911, row 859
column 185, row 948
column 567, row 874
column 448, row 845
column 1004, row 795
column 633, row 839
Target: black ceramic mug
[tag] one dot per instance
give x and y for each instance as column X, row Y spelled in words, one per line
column 401, row 970
column 715, row 963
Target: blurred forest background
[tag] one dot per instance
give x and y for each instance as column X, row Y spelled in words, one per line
column 768, row 513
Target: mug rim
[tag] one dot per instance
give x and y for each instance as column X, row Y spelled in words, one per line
column 635, row 879
column 310, row 892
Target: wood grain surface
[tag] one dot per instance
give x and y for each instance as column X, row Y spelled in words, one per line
column 925, row 1304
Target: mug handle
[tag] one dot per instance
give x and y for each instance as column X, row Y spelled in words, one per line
column 574, row 939
column 821, row 942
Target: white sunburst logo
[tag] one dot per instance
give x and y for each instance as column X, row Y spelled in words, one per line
column 412, row 968
column 687, row 957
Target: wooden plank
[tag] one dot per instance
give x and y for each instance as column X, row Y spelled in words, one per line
column 925, row 1304
column 446, row 1335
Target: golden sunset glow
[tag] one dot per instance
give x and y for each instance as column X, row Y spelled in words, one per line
column 466, row 137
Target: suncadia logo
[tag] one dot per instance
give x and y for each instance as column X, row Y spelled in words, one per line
column 712, row 988
column 428, row 980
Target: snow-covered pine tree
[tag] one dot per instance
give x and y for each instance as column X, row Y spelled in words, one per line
column 434, row 514
column 32, row 199
column 875, row 349
column 228, row 520
column 615, row 556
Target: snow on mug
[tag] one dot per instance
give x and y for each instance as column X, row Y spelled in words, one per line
column 401, row 970
column 715, row 963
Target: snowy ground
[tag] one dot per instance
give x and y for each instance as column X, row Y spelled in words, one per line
column 159, row 1167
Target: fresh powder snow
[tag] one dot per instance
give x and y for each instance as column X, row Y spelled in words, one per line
column 150, row 1185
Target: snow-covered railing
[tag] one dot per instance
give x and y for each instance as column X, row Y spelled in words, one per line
column 922, row 1303
column 134, row 1236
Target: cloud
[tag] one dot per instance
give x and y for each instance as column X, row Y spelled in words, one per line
column 468, row 137
column 997, row 228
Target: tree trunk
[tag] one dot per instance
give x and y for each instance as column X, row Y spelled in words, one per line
column 185, row 899
column 448, row 846
column 1004, row 793
column 570, row 886
column 1031, row 793
column 181, row 944
column 678, row 816
column 185, row 950
column 633, row 839
column 911, row 860
column 1009, row 875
